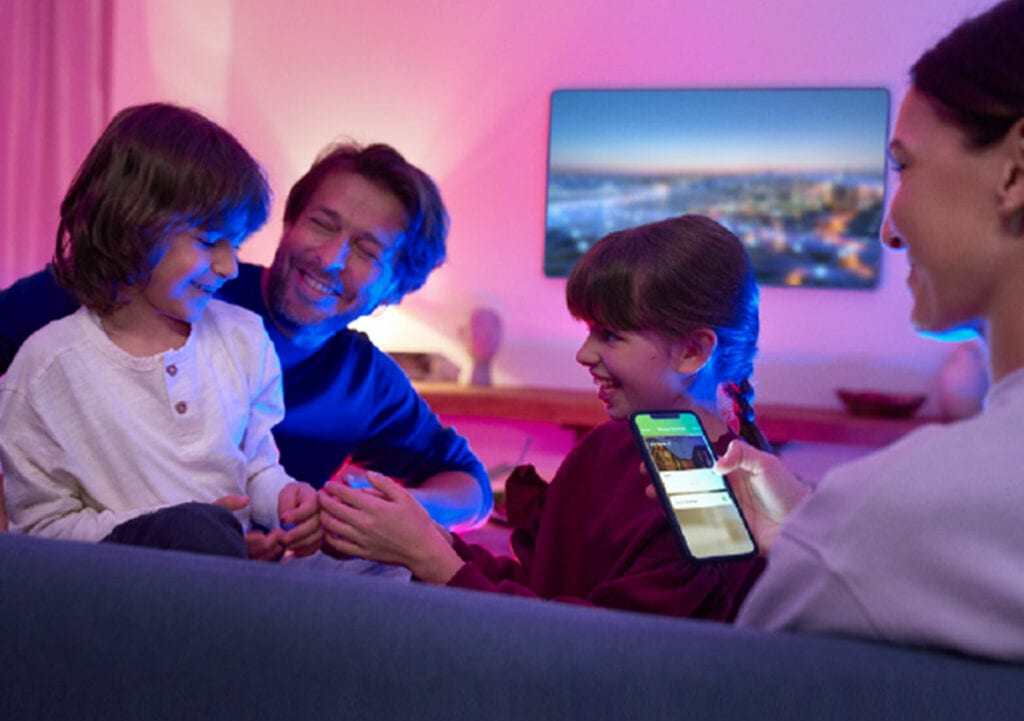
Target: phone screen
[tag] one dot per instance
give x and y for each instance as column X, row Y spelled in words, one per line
column 679, row 459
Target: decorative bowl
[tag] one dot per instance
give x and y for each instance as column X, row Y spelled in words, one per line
column 887, row 405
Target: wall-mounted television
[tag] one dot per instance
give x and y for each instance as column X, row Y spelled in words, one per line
column 797, row 173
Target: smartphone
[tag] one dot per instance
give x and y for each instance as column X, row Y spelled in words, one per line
column 698, row 501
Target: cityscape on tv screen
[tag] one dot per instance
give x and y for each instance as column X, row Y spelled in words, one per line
column 797, row 174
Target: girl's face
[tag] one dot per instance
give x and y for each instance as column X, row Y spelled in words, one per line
column 192, row 267
column 945, row 213
column 633, row 370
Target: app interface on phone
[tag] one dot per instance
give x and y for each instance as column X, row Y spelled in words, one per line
column 706, row 513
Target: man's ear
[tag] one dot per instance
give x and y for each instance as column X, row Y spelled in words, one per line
column 1011, row 186
column 694, row 350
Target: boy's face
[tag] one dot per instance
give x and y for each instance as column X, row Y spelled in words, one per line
column 335, row 263
column 193, row 265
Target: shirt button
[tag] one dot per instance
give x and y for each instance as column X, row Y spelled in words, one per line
column 172, row 370
column 181, row 407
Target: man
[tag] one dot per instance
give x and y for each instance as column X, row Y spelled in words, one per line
column 362, row 228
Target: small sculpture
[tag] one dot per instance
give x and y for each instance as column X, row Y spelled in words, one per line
column 483, row 337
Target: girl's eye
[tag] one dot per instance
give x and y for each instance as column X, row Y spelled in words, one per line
column 605, row 335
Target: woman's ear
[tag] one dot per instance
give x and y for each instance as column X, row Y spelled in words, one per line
column 694, row 350
column 1011, row 186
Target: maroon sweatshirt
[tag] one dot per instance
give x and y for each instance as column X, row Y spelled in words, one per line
column 593, row 537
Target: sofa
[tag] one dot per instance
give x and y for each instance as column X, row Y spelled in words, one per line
column 96, row 631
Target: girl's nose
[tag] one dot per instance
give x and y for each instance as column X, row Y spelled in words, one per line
column 585, row 355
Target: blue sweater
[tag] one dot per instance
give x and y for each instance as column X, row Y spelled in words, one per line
column 347, row 401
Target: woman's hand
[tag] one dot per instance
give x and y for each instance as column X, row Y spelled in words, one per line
column 385, row 523
column 765, row 489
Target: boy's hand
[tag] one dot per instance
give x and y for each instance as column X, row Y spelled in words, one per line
column 232, row 502
column 262, row 546
column 265, row 546
column 299, row 511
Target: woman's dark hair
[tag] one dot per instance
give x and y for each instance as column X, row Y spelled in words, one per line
column 423, row 248
column 974, row 74
column 675, row 277
column 156, row 170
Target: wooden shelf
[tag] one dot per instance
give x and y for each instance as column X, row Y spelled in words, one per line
column 574, row 409
column 581, row 411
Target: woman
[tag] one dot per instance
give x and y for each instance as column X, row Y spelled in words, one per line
column 922, row 542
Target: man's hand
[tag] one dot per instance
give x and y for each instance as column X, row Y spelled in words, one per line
column 385, row 523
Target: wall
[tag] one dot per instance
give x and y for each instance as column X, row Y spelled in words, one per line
column 461, row 87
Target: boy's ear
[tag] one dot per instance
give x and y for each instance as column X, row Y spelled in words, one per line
column 1011, row 186
column 694, row 350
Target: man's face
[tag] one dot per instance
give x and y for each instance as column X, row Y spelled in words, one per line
column 335, row 263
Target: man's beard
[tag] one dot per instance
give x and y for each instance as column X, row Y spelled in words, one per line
column 295, row 323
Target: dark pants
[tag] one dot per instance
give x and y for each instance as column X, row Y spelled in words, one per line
column 195, row 527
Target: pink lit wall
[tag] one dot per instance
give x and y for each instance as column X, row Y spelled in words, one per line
column 461, row 87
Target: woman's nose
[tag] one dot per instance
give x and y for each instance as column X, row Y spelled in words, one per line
column 890, row 236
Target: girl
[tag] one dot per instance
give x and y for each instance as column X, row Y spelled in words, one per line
column 671, row 309
column 145, row 416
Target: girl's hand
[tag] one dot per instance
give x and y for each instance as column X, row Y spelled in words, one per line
column 299, row 510
column 385, row 523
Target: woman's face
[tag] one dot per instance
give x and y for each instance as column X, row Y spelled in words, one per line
column 946, row 213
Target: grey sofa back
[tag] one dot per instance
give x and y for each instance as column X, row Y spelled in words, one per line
column 93, row 631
